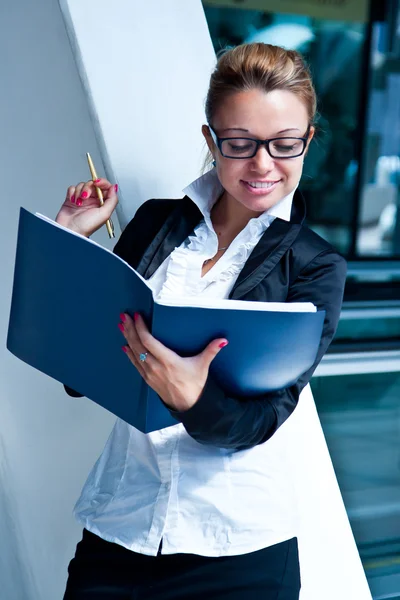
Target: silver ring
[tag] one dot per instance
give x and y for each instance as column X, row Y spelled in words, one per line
column 143, row 356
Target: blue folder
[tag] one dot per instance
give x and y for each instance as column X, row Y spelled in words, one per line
column 68, row 294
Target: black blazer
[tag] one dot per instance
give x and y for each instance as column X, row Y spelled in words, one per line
column 290, row 263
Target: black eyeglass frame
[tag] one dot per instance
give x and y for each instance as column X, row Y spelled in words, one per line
column 218, row 142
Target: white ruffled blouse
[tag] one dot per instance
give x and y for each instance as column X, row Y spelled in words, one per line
column 181, row 271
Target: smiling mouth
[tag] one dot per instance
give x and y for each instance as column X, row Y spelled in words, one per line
column 261, row 184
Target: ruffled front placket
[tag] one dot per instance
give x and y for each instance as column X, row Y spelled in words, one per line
column 183, row 276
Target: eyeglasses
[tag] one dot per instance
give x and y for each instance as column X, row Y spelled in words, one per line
column 280, row 147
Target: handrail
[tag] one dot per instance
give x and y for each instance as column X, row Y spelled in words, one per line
column 355, row 363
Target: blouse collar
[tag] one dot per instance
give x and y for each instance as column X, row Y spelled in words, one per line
column 206, row 190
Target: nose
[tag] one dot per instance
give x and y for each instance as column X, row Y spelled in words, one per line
column 262, row 161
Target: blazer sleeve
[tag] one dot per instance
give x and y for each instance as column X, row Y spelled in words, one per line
column 239, row 423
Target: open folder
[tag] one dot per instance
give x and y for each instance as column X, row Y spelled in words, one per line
column 68, row 294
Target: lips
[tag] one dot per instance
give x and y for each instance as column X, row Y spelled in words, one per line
column 261, row 184
column 260, row 188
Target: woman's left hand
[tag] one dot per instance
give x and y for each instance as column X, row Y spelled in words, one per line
column 178, row 381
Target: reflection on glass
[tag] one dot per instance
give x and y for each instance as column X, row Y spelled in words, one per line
column 378, row 220
column 360, row 415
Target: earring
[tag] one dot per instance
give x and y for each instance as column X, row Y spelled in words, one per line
column 214, row 163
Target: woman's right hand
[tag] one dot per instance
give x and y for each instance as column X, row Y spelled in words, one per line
column 81, row 211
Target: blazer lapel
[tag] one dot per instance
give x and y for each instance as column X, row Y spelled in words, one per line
column 276, row 240
column 175, row 230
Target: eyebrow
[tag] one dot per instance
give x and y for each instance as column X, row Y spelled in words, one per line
column 247, row 131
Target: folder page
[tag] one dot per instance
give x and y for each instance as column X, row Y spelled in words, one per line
column 226, row 303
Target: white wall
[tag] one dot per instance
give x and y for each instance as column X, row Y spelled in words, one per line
column 49, row 441
column 146, row 68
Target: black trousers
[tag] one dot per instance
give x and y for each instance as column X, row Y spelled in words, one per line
column 101, row 570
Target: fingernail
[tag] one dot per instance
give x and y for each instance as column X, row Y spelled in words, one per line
column 223, row 344
column 136, row 316
column 73, row 199
column 79, row 202
column 96, row 180
column 84, row 195
column 116, row 187
column 122, row 328
column 122, row 317
column 125, row 349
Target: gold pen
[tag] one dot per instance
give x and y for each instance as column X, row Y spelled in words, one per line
column 109, row 223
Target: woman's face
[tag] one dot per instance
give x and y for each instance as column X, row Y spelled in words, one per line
column 259, row 115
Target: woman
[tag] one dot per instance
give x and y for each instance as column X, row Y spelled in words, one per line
column 205, row 508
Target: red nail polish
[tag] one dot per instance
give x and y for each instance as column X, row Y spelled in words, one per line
column 223, row 344
column 96, row 180
column 116, row 187
column 122, row 328
column 84, row 195
column 122, row 317
column 73, row 199
column 79, row 202
column 136, row 316
column 125, row 349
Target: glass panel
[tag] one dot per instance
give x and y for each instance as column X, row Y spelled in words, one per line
column 366, row 328
column 334, row 50
column 360, row 415
column 373, row 281
column 378, row 219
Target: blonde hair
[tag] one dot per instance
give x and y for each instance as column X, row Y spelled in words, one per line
column 264, row 67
